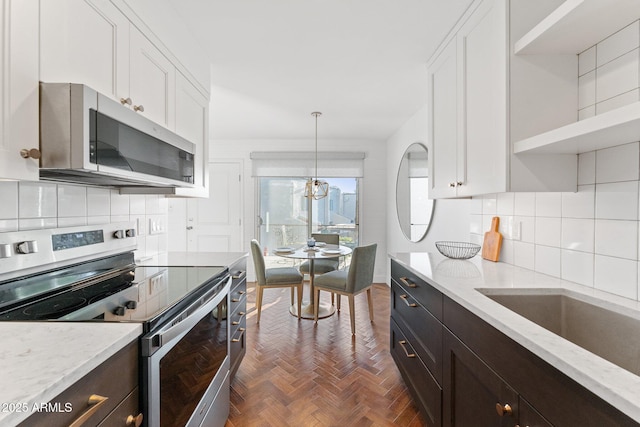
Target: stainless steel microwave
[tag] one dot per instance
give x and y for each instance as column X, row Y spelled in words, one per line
column 88, row 138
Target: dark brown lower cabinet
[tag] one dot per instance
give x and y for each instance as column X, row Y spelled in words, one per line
column 463, row 372
column 237, row 313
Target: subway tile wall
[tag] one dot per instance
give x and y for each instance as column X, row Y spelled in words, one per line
column 38, row 205
column 591, row 237
column 609, row 73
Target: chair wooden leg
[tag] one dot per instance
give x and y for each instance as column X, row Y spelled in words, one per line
column 316, row 304
column 292, row 291
column 339, row 297
column 370, row 302
column 300, row 301
column 352, row 314
column 259, row 302
column 333, row 297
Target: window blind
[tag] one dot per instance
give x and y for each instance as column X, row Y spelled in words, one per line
column 331, row 164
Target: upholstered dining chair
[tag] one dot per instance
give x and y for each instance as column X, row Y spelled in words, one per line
column 321, row 266
column 278, row 277
column 358, row 278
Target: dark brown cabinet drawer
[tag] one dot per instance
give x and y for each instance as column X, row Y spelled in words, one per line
column 424, row 388
column 115, row 379
column 428, row 296
column 237, row 345
column 424, row 330
column 126, row 412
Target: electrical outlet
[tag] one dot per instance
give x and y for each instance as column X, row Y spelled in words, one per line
column 156, row 226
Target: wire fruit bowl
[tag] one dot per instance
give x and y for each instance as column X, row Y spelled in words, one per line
column 458, row 250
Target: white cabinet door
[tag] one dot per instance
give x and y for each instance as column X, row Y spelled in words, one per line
column 443, row 124
column 482, row 130
column 19, row 93
column 85, row 41
column 152, row 80
column 192, row 123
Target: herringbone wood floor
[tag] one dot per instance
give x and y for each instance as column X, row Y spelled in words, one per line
column 298, row 375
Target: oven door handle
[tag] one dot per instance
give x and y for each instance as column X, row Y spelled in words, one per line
column 190, row 317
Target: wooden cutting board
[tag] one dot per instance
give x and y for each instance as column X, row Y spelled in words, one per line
column 492, row 241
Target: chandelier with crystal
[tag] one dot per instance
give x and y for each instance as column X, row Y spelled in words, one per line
column 316, row 188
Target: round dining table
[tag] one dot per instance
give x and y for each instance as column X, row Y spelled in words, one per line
column 311, row 254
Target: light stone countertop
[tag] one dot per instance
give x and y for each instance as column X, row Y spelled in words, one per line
column 39, row 360
column 194, row 259
column 459, row 279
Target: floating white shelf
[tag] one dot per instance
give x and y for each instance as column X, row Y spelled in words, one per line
column 609, row 129
column 576, row 25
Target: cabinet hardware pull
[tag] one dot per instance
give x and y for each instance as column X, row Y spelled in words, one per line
column 452, row 184
column 504, row 410
column 139, row 108
column 238, row 274
column 409, row 304
column 407, row 282
column 95, row 402
column 240, row 336
column 241, row 315
column 126, row 101
column 459, row 184
column 242, row 292
column 402, row 344
column 135, row 421
column 33, row 153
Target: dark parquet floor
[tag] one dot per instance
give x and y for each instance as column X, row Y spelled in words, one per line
column 296, row 374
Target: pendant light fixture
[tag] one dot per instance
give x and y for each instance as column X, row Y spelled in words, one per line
column 316, row 188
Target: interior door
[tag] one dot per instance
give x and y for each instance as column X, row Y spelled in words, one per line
column 215, row 224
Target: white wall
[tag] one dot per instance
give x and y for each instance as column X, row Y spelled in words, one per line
column 373, row 196
column 450, row 217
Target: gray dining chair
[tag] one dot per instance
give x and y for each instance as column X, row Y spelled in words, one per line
column 358, row 278
column 277, row 277
column 321, row 266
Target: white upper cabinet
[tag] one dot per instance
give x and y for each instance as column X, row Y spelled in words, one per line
column 152, row 80
column 497, row 97
column 85, row 42
column 192, row 123
column 19, row 139
column 443, row 125
column 105, row 45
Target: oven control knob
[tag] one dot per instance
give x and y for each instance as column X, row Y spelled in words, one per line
column 130, row 232
column 119, row 234
column 119, row 311
column 131, row 305
column 28, row 247
column 5, row 250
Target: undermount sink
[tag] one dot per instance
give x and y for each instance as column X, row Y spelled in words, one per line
column 609, row 331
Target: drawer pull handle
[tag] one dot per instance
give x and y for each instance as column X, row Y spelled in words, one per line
column 241, row 292
column 504, row 410
column 402, row 344
column 241, row 315
column 235, row 300
column 409, row 304
column 407, row 282
column 95, row 402
column 238, row 274
column 135, row 421
column 240, row 336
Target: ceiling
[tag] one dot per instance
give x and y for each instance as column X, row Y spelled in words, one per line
column 360, row 62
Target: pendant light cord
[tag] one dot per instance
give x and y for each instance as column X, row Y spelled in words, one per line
column 316, row 114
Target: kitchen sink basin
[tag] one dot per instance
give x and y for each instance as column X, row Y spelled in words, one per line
column 607, row 330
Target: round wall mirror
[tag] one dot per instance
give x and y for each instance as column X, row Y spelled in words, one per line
column 415, row 209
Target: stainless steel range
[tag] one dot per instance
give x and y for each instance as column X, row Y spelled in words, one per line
column 89, row 274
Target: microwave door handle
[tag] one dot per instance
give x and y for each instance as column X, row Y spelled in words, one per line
column 165, row 336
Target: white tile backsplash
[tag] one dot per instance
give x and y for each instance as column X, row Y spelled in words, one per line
column 548, row 231
column 617, row 276
column 549, row 204
column 618, row 101
column 587, row 90
column 618, row 76
column 577, row 234
column 587, row 61
column 577, row 267
column 9, row 205
column 620, row 163
column 580, row 204
column 618, row 200
column 525, row 204
column 616, row 45
column 587, row 168
column 617, row 238
column 42, row 205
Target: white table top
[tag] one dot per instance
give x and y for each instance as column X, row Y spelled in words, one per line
column 322, row 252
